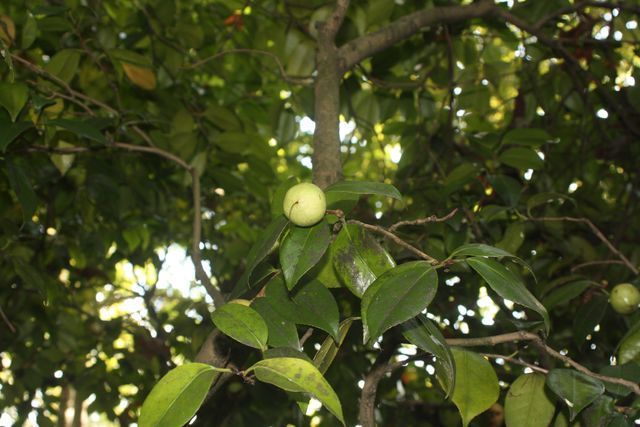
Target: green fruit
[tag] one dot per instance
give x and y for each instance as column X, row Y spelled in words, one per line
column 304, row 204
column 625, row 298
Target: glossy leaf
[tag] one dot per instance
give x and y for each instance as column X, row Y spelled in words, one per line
column 521, row 158
column 359, row 259
column 309, row 304
column 282, row 331
column 476, row 384
column 527, row 403
column 175, row 399
column 629, row 346
column 82, row 128
column 301, row 250
column 243, row 324
column 574, row 388
column 459, row 177
column 365, row 187
column 13, row 97
column 22, row 187
column 298, row 375
column 397, row 296
column 10, row 131
column 508, row 285
column 258, row 252
column 315, row 306
column 482, row 250
column 421, row 332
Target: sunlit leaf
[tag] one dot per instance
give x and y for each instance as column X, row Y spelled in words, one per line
column 298, row 375
column 243, row 324
column 476, row 384
column 177, row 396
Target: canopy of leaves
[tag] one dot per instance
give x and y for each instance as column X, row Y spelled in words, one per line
column 114, row 113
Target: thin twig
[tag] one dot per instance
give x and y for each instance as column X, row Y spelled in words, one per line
column 306, row 336
column 396, row 239
column 283, row 73
column 591, row 263
column 7, row 321
column 595, row 231
column 516, row 362
column 528, row 336
column 422, row 221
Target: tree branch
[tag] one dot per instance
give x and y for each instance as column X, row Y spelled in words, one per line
column 367, row 45
column 423, row 221
column 595, row 231
column 396, row 239
column 326, row 158
column 528, row 336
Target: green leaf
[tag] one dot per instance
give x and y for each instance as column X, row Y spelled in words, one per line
column 507, row 188
column 527, row 403
column 588, row 316
column 130, row 57
column 85, row 129
column 530, row 137
column 513, row 238
column 628, row 371
column 311, row 304
column 544, row 198
column 365, row 187
column 565, row 293
column 64, row 64
column 10, row 131
column 521, row 158
column 315, row 306
column 329, row 348
column 22, row 187
column 508, row 285
column 476, row 384
column 629, row 346
column 397, row 296
column 301, row 250
column 29, row 32
column 459, row 177
column 258, row 252
column 282, row 331
column 13, row 97
column 576, row 389
column 359, row 259
column 243, row 324
column 298, row 375
column 175, row 399
column 421, row 332
column 479, row 250
column 599, row 412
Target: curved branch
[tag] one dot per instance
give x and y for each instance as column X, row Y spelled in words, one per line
column 367, row 45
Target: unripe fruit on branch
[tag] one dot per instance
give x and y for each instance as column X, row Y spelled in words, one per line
column 625, row 298
column 304, row 204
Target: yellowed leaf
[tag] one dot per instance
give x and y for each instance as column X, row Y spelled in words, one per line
column 140, row 76
column 7, row 30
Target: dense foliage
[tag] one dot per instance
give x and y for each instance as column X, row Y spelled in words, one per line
column 490, row 164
